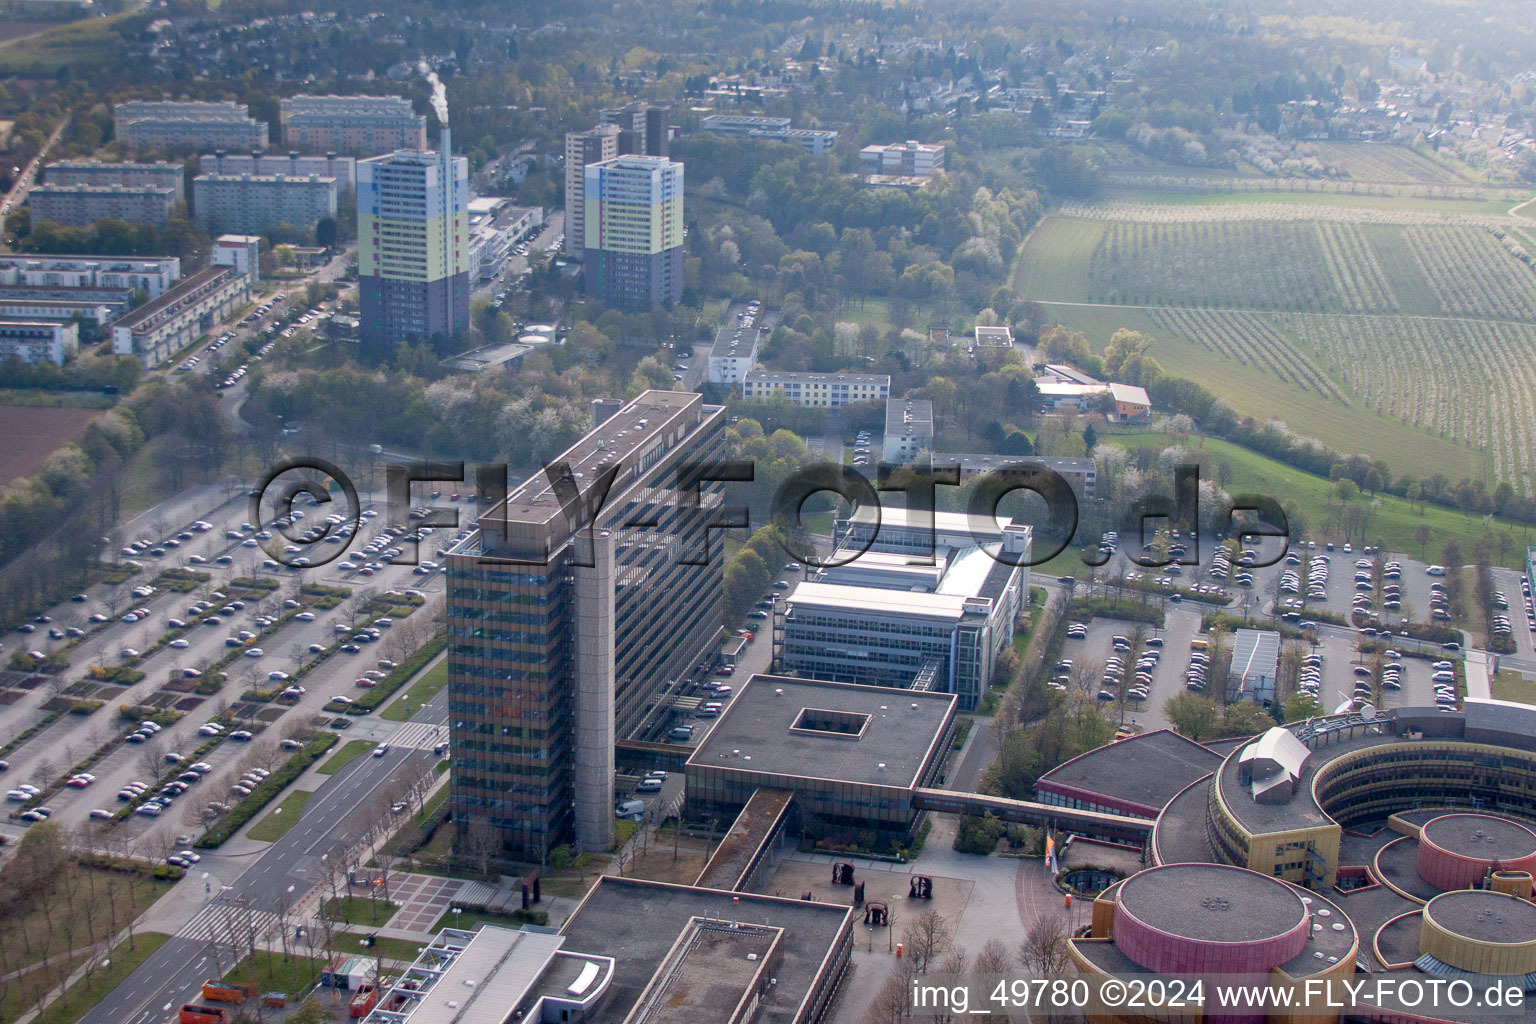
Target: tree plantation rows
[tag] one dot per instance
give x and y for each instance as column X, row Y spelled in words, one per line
column 1249, row 339
column 1471, row 381
column 1311, row 267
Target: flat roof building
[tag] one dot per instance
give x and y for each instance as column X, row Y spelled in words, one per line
column 164, row 174
column 852, row 755
column 908, row 429
column 945, row 637
column 152, row 274
column 163, row 326
column 618, row 561
column 993, row 337
column 903, row 159
column 368, row 125
column 259, row 203
column 633, row 221
column 292, row 164
column 706, row 956
column 168, row 124
column 100, row 313
column 583, row 148
column 1081, row 473
column 733, row 355
column 778, row 129
column 83, row 205
column 38, row 341
column 413, row 247
column 816, row 390
column 1135, row 777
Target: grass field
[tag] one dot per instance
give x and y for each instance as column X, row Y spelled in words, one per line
column 1491, row 206
column 272, row 973
column 1511, row 685
column 359, row 910
column 1054, row 263
column 281, row 818
column 33, row 433
column 1393, row 520
column 73, row 44
column 426, row 686
column 349, row 752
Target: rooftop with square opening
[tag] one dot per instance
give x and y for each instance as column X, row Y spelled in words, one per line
column 844, row 724
column 762, row 730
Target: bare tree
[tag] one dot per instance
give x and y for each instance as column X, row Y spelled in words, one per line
column 893, row 1003
column 1044, row 949
column 993, row 958
column 152, row 760
column 926, row 938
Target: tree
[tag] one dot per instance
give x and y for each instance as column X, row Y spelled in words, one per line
column 926, row 938
column 1421, row 536
column 1192, row 715
column 1090, row 439
column 1044, row 949
column 1245, row 718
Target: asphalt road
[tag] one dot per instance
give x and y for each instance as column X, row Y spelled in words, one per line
column 173, row 974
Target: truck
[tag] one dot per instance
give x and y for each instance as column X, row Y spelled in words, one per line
column 363, row 1001
column 194, row 1013
column 227, row 991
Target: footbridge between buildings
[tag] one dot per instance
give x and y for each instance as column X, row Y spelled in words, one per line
column 1093, row 824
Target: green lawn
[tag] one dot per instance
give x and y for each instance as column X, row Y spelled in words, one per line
column 1202, row 197
column 359, row 910
column 82, row 995
column 1511, row 685
column 386, row 947
column 281, row 818
column 426, row 686
column 1054, row 263
column 272, row 973
column 349, row 752
column 1393, row 520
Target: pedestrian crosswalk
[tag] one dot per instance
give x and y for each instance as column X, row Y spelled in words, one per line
column 420, row 735
column 213, row 922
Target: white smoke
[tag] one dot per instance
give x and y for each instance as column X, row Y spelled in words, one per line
column 439, row 94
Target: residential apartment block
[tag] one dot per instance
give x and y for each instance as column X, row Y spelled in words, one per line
column 162, row 327
column 38, row 341
column 81, row 205
column 413, row 246
column 294, row 165
column 351, row 124
column 257, row 203
column 163, row 174
column 169, row 124
column 822, row 390
column 908, row 429
column 633, row 222
column 734, row 354
column 152, row 275
column 583, row 148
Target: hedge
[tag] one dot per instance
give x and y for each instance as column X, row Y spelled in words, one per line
column 270, row 787
column 127, row 865
column 399, row 676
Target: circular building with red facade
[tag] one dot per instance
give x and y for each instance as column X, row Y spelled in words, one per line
column 1459, row 851
column 1209, row 918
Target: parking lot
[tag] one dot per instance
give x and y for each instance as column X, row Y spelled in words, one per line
column 174, row 631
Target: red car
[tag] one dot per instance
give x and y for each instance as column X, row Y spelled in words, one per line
column 366, row 683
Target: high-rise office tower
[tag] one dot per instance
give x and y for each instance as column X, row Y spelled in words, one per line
column 573, row 612
column 581, row 149
column 634, row 229
column 413, row 246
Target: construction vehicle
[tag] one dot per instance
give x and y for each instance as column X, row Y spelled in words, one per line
column 193, row 1013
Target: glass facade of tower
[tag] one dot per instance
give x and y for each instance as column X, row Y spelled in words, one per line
column 515, row 629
